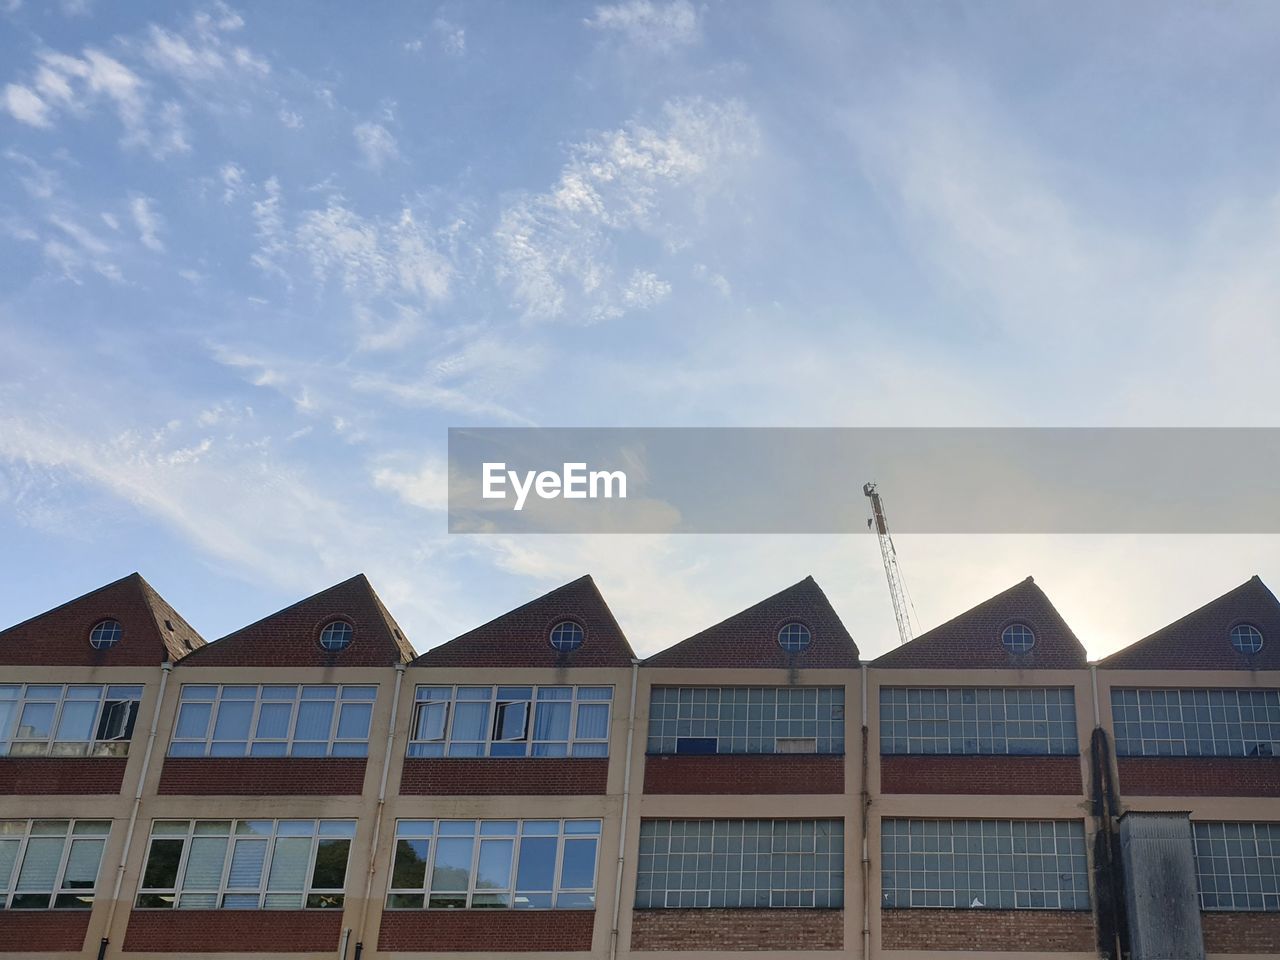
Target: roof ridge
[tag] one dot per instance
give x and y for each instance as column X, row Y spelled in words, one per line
column 66, row 603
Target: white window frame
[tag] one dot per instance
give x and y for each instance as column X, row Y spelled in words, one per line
column 447, row 741
column 220, row 894
column 93, row 747
column 557, row 889
column 58, row 889
column 258, row 700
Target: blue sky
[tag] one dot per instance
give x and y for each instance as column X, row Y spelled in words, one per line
column 256, row 261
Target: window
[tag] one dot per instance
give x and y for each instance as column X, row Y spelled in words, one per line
column 1246, row 638
column 1238, row 865
column 105, row 634
column 794, row 637
column 740, row 863
column 1196, row 723
column 1018, row 638
column 745, row 719
column 273, row 720
column 981, row 720
column 50, row 863
column 528, row 721
column 67, row 720
column 336, row 635
column 992, row 864
column 246, row 864
column 527, row 864
column 567, row 636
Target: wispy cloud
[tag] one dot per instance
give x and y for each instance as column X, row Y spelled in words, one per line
column 659, row 27
column 376, row 144
column 148, row 222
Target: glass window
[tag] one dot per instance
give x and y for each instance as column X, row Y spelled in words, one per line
column 794, row 637
column 273, row 720
column 1196, row 723
column 982, row 720
column 740, row 863
column 1238, row 865
column 745, row 719
column 72, row 720
column 991, row 864
column 567, row 636
column 105, row 634
column 48, row 864
column 1018, row 638
column 513, row 721
column 336, row 635
column 522, row 864
column 1246, row 638
column 246, row 864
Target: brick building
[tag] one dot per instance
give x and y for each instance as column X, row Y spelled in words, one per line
column 308, row 787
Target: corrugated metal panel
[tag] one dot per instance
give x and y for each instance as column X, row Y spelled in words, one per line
column 1160, row 886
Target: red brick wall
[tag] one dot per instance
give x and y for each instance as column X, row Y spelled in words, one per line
column 1241, row 933
column 512, row 776
column 487, row 931
column 259, row 776
column 1199, row 776
column 1048, row 931
column 981, row 775
column 50, row 775
column 42, row 931
column 715, row 929
column 233, row 931
column 744, row 773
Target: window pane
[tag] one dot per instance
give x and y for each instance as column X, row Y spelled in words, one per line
column 40, row 863
column 246, row 864
column 233, row 720
column 8, row 856
column 551, row 721
column 537, row 869
column 579, row 868
column 452, row 868
column 36, row 722
column 511, row 721
column 76, row 722
column 410, row 869
column 471, row 721
column 331, row 863
column 289, row 863
column 162, row 864
column 431, row 720
column 593, row 721
column 204, row 864
column 315, row 719
column 117, row 720
column 273, row 720
column 494, row 869
column 82, row 864
column 353, row 721
column 193, row 720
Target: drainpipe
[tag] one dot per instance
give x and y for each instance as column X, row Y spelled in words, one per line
column 1097, row 710
column 342, row 949
column 165, row 668
column 382, row 799
column 865, row 803
column 626, row 800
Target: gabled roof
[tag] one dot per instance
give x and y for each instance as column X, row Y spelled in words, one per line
column 750, row 638
column 521, row 638
column 972, row 640
column 153, row 631
column 290, row 637
column 1202, row 639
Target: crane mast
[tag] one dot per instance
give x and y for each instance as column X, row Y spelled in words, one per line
column 897, row 588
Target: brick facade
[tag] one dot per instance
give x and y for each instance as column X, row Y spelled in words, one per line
column 263, row 776
column 487, row 931
column 1230, row 932
column 1031, row 776
column 510, row 776
column 717, row 929
column 1199, row 776
column 744, row 774
column 233, row 931
column 46, row 776
column 1039, row 931
column 42, row 931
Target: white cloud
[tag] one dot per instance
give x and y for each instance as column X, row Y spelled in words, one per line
column 26, row 106
column 645, row 289
column 426, row 487
column 290, row 119
column 659, row 27
column 453, row 38
column 148, row 222
column 376, row 144
column 232, row 177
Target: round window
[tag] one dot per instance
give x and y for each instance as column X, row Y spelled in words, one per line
column 567, row 635
column 1246, row 638
column 1018, row 638
column 105, row 634
column 794, row 637
column 336, row 635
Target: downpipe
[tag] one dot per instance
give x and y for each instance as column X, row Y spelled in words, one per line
column 626, row 800
column 865, row 803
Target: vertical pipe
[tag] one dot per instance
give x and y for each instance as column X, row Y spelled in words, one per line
column 342, row 948
column 626, row 801
column 165, row 668
column 382, row 799
column 1097, row 708
column 864, row 801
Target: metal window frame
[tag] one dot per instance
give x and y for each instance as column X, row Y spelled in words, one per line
column 59, row 888
column 1151, row 706
column 658, row 727
column 92, row 744
column 916, row 743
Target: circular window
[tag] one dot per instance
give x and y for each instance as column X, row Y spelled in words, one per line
column 1018, row 638
column 105, row 634
column 1246, row 638
column 567, row 635
column 336, row 635
column 794, row 637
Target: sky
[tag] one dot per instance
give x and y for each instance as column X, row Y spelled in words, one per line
column 255, row 261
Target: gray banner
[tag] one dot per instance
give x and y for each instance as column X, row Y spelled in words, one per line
column 798, row 480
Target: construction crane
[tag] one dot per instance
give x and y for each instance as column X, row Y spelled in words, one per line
column 902, row 606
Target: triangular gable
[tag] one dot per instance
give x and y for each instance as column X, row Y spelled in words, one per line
column 153, row 631
column 972, row 640
column 521, row 638
column 1202, row 639
column 750, row 638
column 291, row 637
